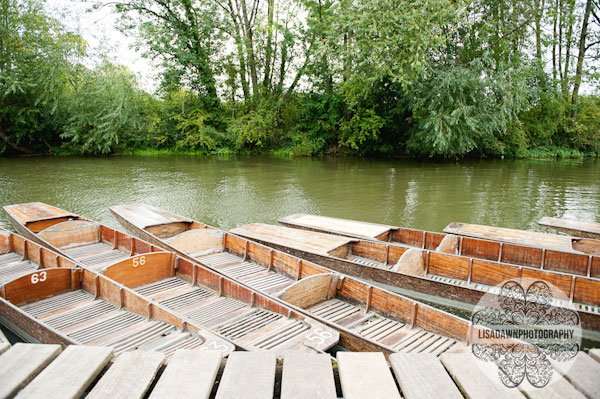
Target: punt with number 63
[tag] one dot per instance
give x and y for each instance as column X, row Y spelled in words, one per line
column 195, row 295
column 52, row 300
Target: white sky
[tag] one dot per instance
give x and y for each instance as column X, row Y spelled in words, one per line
column 97, row 27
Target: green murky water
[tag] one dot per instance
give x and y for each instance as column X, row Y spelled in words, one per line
column 230, row 191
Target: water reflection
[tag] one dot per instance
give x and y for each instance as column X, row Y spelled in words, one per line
column 229, row 191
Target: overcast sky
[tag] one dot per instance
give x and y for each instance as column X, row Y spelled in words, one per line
column 98, row 29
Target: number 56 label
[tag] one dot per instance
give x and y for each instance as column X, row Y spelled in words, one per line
column 139, row 261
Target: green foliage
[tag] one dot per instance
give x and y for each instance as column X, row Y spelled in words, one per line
column 462, row 110
column 106, row 110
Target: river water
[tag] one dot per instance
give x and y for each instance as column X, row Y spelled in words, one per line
column 229, row 191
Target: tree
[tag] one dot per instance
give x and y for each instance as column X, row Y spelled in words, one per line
column 36, row 61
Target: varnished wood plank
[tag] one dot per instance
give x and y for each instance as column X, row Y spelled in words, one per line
column 522, row 237
column 421, row 375
column 583, row 373
column 144, row 215
column 70, row 374
column 249, row 375
column 130, row 376
column 472, row 380
column 366, row 375
column 307, row 375
column 189, row 374
column 299, row 239
column 577, row 228
column 335, row 225
column 21, row 364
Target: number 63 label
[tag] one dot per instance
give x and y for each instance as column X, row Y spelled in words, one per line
column 37, row 277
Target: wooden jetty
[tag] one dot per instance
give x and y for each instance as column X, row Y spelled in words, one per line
column 548, row 252
column 368, row 318
column 245, row 317
column 577, row 228
column 449, row 276
column 42, row 371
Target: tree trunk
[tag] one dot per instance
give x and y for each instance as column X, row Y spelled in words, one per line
column 269, row 49
column 568, row 40
column 250, row 48
column 16, row 147
column 580, row 57
column 539, row 10
column 554, row 43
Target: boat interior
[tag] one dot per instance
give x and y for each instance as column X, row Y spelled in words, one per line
column 389, row 321
column 84, row 308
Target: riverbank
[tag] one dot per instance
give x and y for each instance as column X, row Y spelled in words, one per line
column 533, row 153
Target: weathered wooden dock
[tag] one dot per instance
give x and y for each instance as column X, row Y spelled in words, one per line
column 47, row 371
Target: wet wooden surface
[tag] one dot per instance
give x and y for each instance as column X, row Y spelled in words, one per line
column 40, row 371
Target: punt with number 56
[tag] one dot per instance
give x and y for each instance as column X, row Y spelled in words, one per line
column 368, row 318
column 47, row 298
column 197, row 296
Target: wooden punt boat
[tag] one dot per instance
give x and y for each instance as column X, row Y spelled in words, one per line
column 368, row 318
column 444, row 275
column 242, row 315
column 567, row 255
column 576, row 228
column 67, row 305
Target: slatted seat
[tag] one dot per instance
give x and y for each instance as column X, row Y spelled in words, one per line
column 222, row 259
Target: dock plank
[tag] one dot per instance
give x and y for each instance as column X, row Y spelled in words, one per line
column 70, row 374
column 249, row 375
column 189, row 374
column 307, row 375
column 559, row 389
column 21, row 364
column 595, row 354
column 366, row 375
column 421, row 375
column 583, row 374
column 130, row 376
column 474, row 383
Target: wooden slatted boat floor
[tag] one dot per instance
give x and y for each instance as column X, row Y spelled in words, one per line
column 235, row 320
column 12, row 265
column 382, row 330
column 41, row 371
column 92, row 321
column 249, row 273
column 95, row 255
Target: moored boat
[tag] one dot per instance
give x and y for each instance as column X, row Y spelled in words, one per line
column 242, row 315
column 444, row 275
column 548, row 252
column 70, row 306
column 367, row 317
column 577, row 228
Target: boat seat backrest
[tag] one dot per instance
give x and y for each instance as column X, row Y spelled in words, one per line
column 71, row 233
column 198, row 241
column 310, row 290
